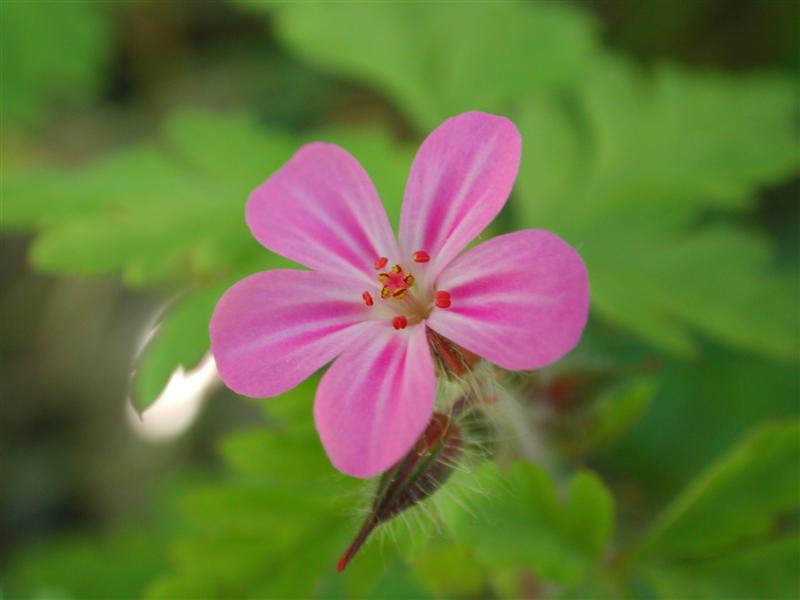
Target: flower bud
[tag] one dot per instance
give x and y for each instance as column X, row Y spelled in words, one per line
column 416, row 477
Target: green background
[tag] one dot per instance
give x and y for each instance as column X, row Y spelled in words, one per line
column 660, row 139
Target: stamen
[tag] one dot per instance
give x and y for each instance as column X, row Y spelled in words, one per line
column 399, row 322
column 397, row 269
column 421, row 256
column 383, row 277
column 409, row 279
column 367, row 298
column 399, row 293
column 385, row 292
column 442, row 299
column 381, row 262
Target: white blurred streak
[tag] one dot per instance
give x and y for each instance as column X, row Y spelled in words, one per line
column 177, row 407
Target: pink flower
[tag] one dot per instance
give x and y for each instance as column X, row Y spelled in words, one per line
column 519, row 300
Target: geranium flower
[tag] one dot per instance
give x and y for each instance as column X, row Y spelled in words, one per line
column 519, row 300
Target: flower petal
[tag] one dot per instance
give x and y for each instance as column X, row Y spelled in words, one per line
column 321, row 210
column 271, row 330
column 376, row 400
column 519, row 300
column 460, row 179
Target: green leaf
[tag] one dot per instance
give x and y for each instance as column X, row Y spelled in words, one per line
column 276, row 525
column 520, row 522
column 83, row 566
column 170, row 213
column 700, row 410
column 738, row 498
column 766, row 570
column 155, row 215
column 181, row 340
column 449, row 568
column 627, row 168
column 51, row 53
column 437, row 59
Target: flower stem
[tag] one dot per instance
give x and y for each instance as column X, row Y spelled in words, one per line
column 359, row 540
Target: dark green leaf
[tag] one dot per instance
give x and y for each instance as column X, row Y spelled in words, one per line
column 738, row 498
column 766, row 570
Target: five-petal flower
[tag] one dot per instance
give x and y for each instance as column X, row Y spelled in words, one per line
column 519, row 300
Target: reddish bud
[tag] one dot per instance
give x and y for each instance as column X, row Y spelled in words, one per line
column 367, row 298
column 399, row 322
column 381, row 262
column 416, row 477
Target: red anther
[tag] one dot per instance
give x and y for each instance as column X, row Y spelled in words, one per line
column 381, row 262
column 367, row 299
column 442, row 299
column 399, row 322
column 421, row 256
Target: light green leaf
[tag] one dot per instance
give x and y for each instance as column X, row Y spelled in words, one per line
column 51, row 53
column 171, row 213
column 154, row 214
column 438, row 59
column 627, row 168
column 275, row 527
column 738, row 498
column 521, row 522
column 181, row 340
column 449, row 568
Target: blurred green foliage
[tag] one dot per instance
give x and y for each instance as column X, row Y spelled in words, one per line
column 53, row 53
column 628, row 169
column 653, row 173
column 520, row 521
column 435, row 62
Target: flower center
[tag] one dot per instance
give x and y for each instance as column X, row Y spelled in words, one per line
column 396, row 283
column 407, row 304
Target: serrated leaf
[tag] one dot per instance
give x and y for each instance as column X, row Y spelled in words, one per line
column 151, row 214
column 435, row 60
column 276, row 526
column 50, row 53
column 626, row 169
column 520, row 522
column 738, row 498
column 170, row 213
